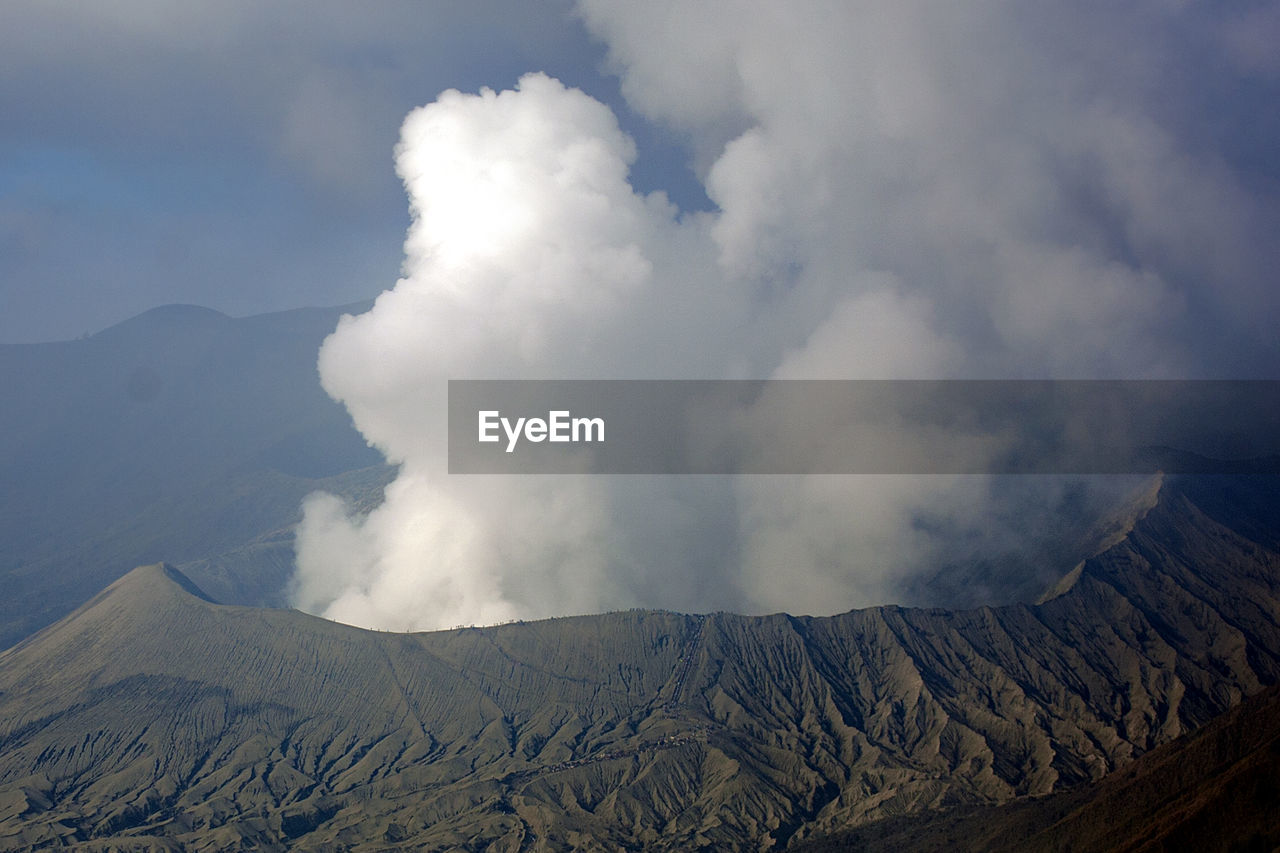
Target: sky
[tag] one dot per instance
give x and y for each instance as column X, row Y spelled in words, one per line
column 238, row 155
column 978, row 189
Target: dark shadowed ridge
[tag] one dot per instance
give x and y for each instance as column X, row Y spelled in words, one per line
column 152, row 716
column 1216, row 789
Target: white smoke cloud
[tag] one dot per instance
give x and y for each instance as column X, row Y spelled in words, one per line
column 903, row 190
column 524, row 250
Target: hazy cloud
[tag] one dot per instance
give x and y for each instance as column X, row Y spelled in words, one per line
column 255, row 136
column 903, row 190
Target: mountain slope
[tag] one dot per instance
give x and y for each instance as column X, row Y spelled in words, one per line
column 152, row 713
column 1213, row 790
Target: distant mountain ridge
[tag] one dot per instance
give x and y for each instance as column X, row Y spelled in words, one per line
column 181, row 434
column 152, row 718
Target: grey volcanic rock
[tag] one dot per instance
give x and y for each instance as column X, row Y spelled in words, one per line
column 1213, row 790
column 153, row 716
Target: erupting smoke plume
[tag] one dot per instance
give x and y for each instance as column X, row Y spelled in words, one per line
column 903, row 190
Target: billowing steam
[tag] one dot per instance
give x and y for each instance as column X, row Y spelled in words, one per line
column 903, row 190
